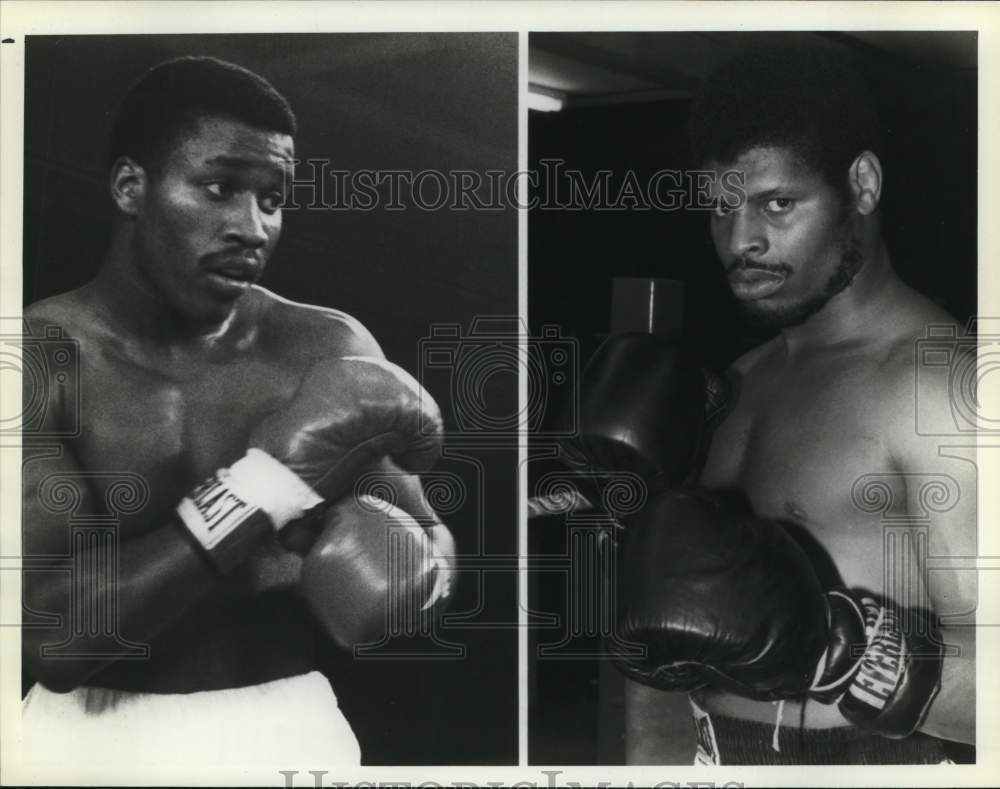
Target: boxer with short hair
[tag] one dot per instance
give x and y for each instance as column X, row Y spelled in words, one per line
column 249, row 419
column 730, row 601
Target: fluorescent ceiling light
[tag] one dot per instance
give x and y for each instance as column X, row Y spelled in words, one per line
column 545, row 99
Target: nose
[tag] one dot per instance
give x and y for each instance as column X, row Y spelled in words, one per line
column 746, row 238
column 247, row 225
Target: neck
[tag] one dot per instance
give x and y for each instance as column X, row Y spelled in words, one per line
column 856, row 314
column 134, row 307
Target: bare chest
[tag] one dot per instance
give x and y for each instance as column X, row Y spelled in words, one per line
column 171, row 429
column 801, row 447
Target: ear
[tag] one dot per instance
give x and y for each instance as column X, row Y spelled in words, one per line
column 128, row 185
column 865, row 177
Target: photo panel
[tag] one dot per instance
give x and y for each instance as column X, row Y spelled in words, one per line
column 762, row 249
column 169, row 334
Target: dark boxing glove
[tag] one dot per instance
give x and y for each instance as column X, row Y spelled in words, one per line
column 717, row 596
column 641, row 409
column 346, row 414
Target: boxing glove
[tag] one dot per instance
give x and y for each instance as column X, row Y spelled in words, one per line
column 374, row 571
column 346, row 414
column 640, row 409
column 717, row 596
column 898, row 674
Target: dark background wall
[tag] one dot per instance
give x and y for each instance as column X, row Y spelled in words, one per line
column 929, row 207
column 410, row 102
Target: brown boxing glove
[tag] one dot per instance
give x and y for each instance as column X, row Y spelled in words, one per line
column 375, row 571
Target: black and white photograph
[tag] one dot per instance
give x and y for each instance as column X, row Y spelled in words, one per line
column 752, row 523
column 252, row 524
column 435, row 393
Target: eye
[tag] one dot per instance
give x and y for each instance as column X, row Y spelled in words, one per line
column 719, row 207
column 219, row 190
column 271, row 202
column 778, row 205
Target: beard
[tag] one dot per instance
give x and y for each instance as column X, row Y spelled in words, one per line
column 785, row 316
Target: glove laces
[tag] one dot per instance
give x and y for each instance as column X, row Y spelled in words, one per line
column 777, row 726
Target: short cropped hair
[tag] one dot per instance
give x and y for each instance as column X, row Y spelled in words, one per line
column 170, row 98
column 811, row 100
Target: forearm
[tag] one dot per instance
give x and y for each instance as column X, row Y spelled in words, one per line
column 658, row 726
column 156, row 578
column 952, row 715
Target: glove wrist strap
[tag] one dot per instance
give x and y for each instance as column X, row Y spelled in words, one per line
column 272, row 487
column 229, row 511
column 899, row 675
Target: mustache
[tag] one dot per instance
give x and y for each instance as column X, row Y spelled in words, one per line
column 249, row 254
column 742, row 264
column 249, row 261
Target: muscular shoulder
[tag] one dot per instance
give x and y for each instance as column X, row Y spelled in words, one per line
column 67, row 313
column 54, row 331
column 920, row 374
column 311, row 331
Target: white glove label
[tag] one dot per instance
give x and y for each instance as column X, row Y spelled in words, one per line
column 213, row 511
column 882, row 664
